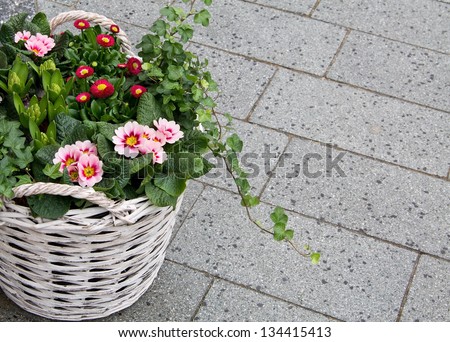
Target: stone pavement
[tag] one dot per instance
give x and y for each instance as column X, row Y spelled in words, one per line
column 363, row 83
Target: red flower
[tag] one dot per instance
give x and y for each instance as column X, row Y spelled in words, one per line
column 114, row 29
column 134, row 65
column 102, row 89
column 83, row 97
column 84, row 71
column 105, row 40
column 81, row 24
column 137, row 91
column 122, row 66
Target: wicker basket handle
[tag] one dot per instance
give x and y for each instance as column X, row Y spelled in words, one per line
column 95, row 197
column 95, row 19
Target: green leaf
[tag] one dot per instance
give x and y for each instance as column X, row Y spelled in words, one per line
column 207, row 2
column 49, row 206
column 169, row 13
column 186, row 32
column 41, row 21
column 250, row 201
column 279, row 216
column 65, row 125
column 172, row 184
column 23, row 179
column 235, row 143
column 47, row 154
column 139, row 163
column 108, row 129
column 148, row 110
column 175, row 72
column 279, row 231
column 159, row 197
column 289, row 234
column 159, row 27
column 104, row 148
column 7, row 33
column 52, row 171
column 315, row 258
column 79, row 133
column 3, row 60
column 202, row 17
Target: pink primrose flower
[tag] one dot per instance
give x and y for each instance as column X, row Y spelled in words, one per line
column 46, row 40
column 36, row 46
column 151, row 146
column 67, row 156
column 86, row 147
column 24, row 36
column 128, row 139
column 170, row 129
column 151, row 134
column 90, row 170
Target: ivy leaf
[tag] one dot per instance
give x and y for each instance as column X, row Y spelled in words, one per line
column 148, row 110
column 171, row 184
column 207, row 2
column 159, row 197
column 169, row 13
column 202, row 17
column 23, row 179
column 159, row 27
column 235, row 143
column 279, row 216
column 186, row 32
column 175, row 72
column 52, row 171
column 315, row 258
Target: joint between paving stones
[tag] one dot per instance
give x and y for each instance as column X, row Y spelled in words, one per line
column 199, row 306
column 249, row 288
column 313, row 9
column 338, row 51
column 408, row 288
column 255, row 105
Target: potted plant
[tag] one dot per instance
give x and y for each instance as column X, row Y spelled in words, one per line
column 96, row 148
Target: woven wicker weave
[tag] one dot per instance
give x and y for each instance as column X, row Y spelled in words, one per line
column 91, row 262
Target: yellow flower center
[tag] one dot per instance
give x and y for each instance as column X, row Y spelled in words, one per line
column 105, row 40
column 131, row 141
column 83, row 98
column 81, row 24
column 88, row 171
column 101, row 87
column 69, row 161
column 36, row 50
column 73, row 175
column 135, row 65
column 138, row 91
column 84, row 71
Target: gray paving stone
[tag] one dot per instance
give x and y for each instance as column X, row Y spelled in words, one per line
column 359, row 278
column 64, row 2
column 9, row 8
column 304, row 6
column 428, row 299
column 226, row 302
column 133, row 32
column 240, row 80
column 10, row 312
column 174, row 296
column 421, row 22
column 52, row 9
column 192, row 192
column 271, row 35
column 262, row 149
column 394, row 68
column 379, row 199
column 357, row 120
column 132, row 12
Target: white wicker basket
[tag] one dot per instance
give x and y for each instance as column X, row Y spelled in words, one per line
column 90, row 263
